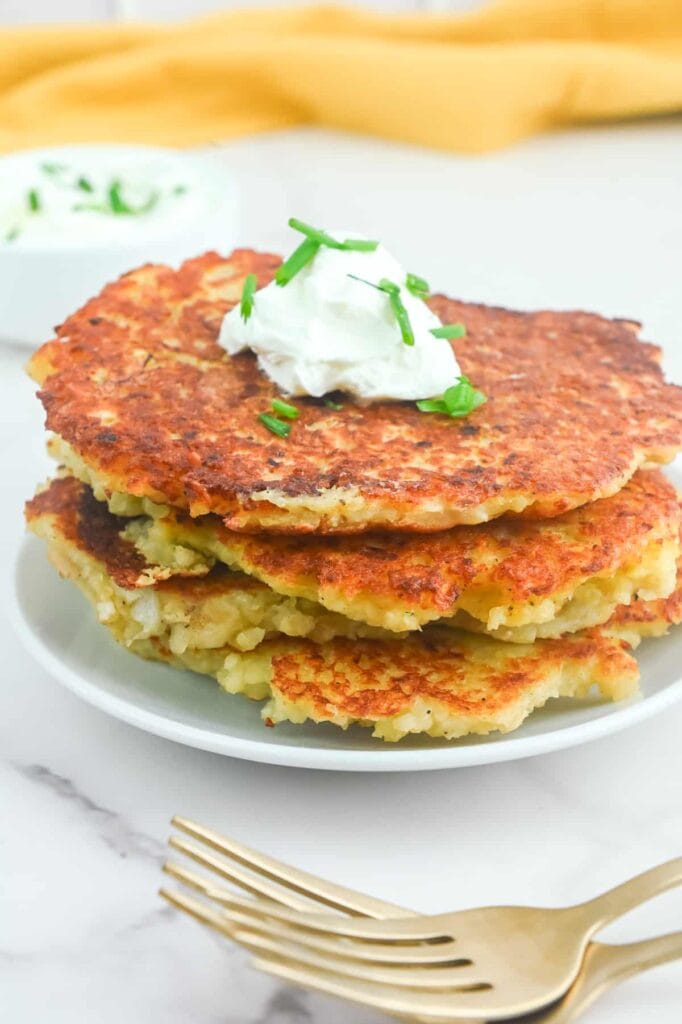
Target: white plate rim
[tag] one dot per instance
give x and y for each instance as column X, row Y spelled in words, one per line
column 393, row 759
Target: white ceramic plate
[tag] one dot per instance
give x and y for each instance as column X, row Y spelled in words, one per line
column 58, row 627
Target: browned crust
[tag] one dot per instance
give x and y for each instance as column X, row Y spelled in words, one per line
column 371, row 680
column 520, row 560
column 89, row 526
column 575, row 404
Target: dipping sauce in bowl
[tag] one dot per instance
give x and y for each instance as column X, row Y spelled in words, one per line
column 73, row 218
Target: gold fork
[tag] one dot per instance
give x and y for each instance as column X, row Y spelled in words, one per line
column 269, row 935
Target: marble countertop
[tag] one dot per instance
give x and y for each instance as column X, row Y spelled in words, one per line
column 588, row 219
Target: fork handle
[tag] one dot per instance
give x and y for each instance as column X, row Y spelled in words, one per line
column 605, row 966
column 616, row 902
column 623, row 960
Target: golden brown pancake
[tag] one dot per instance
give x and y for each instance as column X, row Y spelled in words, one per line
column 138, row 389
column 515, row 579
column 441, row 682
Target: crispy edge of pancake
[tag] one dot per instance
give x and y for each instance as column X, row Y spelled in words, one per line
column 641, row 619
column 377, row 474
column 516, row 581
column 444, row 685
column 135, row 602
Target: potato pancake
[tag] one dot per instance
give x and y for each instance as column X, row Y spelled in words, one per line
column 137, row 387
column 441, row 682
column 514, row 579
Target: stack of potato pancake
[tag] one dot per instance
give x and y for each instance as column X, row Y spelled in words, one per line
column 407, row 571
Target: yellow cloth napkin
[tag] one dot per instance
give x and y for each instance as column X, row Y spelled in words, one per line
column 465, row 82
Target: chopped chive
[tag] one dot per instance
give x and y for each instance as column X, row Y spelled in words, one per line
column 118, row 205
column 322, row 238
column 331, row 404
column 360, row 244
column 33, row 200
column 85, row 185
column 389, row 286
column 290, row 412
column 458, row 400
column 116, row 201
column 449, row 331
column 392, row 289
column 460, row 397
column 179, row 190
column 432, row 405
column 299, row 258
column 12, row 234
column 50, row 168
column 315, row 234
column 274, row 425
column 246, row 306
column 417, row 286
column 401, row 315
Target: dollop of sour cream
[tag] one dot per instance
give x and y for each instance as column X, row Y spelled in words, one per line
column 326, row 331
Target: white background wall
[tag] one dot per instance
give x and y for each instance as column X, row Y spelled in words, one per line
column 28, row 11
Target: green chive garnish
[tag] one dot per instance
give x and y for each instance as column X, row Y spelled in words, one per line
column 322, row 238
column 118, row 205
column 432, row 405
column 449, row 331
column 179, row 190
column 85, row 185
column 360, row 245
column 275, row 426
column 331, row 404
column 33, row 200
column 12, row 234
column 116, row 200
column 417, row 286
column 290, row 412
column 299, row 259
column 392, row 289
column 399, row 311
column 49, row 168
column 459, row 400
column 246, row 307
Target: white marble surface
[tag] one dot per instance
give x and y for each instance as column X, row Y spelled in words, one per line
column 591, row 219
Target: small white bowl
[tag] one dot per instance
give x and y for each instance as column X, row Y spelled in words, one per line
column 59, row 258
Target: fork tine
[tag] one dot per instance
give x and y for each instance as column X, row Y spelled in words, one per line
column 453, row 979
column 401, row 1003
column 371, row 953
column 199, row 911
column 250, row 883
column 360, row 992
column 336, row 896
column 206, row 886
column 371, row 932
column 200, row 883
column 419, row 956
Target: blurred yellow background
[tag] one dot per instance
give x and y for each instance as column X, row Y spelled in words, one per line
column 465, row 81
